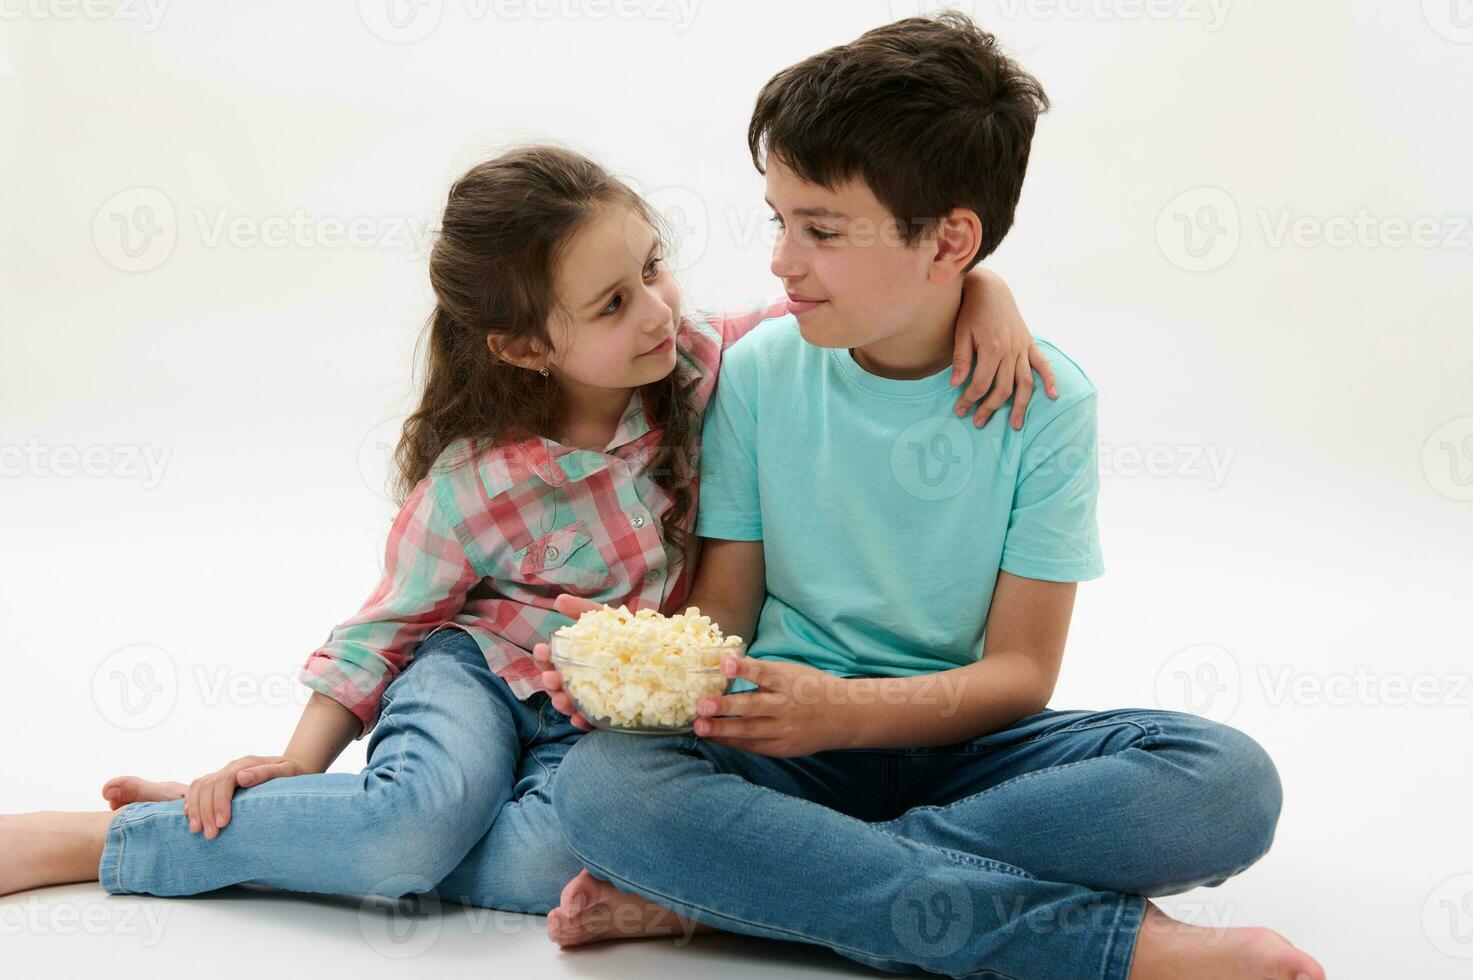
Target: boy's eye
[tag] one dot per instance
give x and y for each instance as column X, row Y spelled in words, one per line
column 653, row 268
column 814, row 233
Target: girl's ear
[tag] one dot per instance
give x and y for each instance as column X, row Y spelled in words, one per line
column 523, row 352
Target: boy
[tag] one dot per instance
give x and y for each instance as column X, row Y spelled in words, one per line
column 874, row 785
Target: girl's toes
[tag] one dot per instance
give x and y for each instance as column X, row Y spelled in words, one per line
column 123, row 790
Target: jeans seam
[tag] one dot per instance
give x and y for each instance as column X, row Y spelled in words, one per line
column 1147, row 728
column 942, row 808
column 1115, row 942
column 958, row 856
column 118, row 857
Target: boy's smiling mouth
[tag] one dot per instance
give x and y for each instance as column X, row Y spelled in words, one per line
column 798, row 305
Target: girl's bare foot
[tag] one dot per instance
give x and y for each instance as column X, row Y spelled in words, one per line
column 51, row 847
column 592, row 910
column 1168, row 948
column 122, row 790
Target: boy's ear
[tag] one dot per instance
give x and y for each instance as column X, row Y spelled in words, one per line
column 523, row 352
column 958, row 236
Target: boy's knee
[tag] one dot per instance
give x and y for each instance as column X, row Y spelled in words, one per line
column 608, row 781
column 1247, row 793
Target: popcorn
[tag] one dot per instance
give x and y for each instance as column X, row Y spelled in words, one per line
column 642, row 671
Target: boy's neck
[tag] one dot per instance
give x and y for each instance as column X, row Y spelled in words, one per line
column 922, row 349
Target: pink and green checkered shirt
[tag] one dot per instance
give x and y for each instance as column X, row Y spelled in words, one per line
column 486, row 544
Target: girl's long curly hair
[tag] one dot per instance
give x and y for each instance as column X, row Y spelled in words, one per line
column 492, row 268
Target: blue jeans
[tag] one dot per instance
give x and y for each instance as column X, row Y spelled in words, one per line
column 1025, row 853
column 456, row 798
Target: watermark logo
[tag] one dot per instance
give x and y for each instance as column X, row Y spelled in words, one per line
column 36, row 917
column 1201, row 680
column 1447, row 459
column 683, row 213
column 1199, row 230
column 407, row 21
column 145, row 464
column 1451, row 19
column 404, row 927
column 1211, row 14
column 376, row 456
column 135, row 230
column 933, row 458
column 400, row 21
column 1447, row 917
column 135, row 688
column 933, row 916
column 147, row 14
column 901, row 9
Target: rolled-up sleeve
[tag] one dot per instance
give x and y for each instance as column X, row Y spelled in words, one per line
column 424, row 584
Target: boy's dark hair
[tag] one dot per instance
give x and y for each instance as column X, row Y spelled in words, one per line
column 927, row 111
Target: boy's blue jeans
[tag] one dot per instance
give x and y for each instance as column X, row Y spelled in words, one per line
column 455, row 798
column 1025, row 853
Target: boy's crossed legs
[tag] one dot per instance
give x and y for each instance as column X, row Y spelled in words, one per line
column 1027, row 851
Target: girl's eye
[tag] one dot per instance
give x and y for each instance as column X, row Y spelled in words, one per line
column 651, row 270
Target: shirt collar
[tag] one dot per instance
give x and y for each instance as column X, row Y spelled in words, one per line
column 544, row 455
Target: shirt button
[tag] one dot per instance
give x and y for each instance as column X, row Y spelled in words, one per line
column 638, row 521
column 550, row 553
column 652, row 575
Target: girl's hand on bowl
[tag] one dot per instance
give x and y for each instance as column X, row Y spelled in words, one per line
column 552, row 679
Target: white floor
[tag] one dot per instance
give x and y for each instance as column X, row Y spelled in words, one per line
column 238, row 932
column 1369, row 871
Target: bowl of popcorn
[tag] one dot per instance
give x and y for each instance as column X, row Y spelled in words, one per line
column 642, row 672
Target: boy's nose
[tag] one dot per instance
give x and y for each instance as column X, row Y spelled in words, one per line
column 785, row 264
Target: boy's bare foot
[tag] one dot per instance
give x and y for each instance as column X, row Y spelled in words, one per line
column 51, row 847
column 1168, row 948
column 122, row 790
column 592, row 911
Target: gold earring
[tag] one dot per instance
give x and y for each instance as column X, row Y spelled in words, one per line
column 543, row 370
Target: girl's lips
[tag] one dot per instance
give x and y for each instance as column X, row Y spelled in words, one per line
column 797, row 307
column 669, row 341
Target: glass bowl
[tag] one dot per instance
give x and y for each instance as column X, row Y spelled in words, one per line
column 641, row 699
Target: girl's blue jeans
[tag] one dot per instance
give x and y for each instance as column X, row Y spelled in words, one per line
column 455, row 799
column 1025, row 853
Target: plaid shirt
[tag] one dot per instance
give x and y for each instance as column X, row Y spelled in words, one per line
column 486, row 545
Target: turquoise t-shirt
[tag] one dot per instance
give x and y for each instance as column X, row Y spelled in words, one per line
column 884, row 517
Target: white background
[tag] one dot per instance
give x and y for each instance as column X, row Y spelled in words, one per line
column 1249, row 223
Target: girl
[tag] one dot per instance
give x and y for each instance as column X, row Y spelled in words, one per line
column 554, row 450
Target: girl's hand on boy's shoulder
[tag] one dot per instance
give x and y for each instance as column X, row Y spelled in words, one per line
column 990, row 332
column 796, row 710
